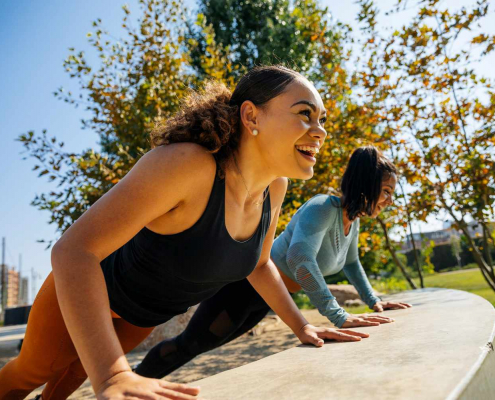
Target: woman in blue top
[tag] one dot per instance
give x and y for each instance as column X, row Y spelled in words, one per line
column 320, row 240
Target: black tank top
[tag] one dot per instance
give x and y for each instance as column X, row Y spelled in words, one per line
column 154, row 277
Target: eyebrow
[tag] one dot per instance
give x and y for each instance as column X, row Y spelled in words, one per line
column 389, row 186
column 308, row 103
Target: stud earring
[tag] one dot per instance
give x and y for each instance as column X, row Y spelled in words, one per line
column 255, row 132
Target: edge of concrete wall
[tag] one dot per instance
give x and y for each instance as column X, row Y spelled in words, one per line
column 456, row 363
column 479, row 383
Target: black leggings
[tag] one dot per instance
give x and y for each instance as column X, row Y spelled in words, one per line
column 230, row 313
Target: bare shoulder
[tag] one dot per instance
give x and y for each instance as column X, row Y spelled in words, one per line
column 161, row 180
column 175, row 171
column 188, row 158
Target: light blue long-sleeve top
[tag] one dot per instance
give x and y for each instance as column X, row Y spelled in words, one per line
column 313, row 246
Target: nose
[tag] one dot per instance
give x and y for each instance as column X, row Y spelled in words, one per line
column 318, row 133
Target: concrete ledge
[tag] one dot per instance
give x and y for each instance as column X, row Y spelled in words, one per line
column 442, row 348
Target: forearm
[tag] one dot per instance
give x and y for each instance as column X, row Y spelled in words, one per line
column 83, row 300
column 356, row 275
column 302, row 263
column 267, row 282
column 328, row 306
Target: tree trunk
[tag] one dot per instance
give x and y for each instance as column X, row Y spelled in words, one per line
column 486, row 270
column 486, row 246
column 394, row 255
column 416, row 260
column 418, row 265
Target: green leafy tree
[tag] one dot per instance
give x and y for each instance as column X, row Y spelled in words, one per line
column 258, row 32
column 141, row 78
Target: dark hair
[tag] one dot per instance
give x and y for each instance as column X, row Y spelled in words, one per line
column 211, row 117
column 362, row 181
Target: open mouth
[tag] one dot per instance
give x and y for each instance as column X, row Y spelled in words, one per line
column 309, row 151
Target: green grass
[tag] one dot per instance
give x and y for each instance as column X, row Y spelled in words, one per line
column 303, row 303
column 470, row 281
column 358, row 310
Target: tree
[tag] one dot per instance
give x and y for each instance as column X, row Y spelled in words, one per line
column 143, row 77
column 259, row 32
column 393, row 252
column 440, row 113
column 455, row 244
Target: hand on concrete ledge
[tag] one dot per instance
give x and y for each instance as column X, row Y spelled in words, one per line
column 315, row 335
column 355, row 320
column 135, row 386
column 389, row 305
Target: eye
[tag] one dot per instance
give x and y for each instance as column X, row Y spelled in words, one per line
column 307, row 113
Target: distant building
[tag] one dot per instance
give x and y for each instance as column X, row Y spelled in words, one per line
column 24, row 292
column 474, row 229
column 12, row 288
column 16, row 290
column 440, row 237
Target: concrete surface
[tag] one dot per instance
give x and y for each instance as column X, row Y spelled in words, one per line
column 439, row 349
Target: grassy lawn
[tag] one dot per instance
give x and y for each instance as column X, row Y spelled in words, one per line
column 470, row 281
column 303, row 303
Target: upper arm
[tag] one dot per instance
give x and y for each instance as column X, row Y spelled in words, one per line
column 312, row 225
column 278, row 188
column 160, row 180
column 353, row 252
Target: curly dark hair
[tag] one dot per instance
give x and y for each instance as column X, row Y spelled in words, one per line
column 211, row 118
column 362, row 181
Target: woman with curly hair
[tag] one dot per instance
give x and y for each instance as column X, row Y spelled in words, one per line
column 320, row 240
column 196, row 213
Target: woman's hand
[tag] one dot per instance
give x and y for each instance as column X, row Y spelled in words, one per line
column 315, row 335
column 355, row 320
column 389, row 305
column 128, row 385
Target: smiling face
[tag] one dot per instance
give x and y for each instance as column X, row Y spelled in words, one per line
column 386, row 195
column 291, row 130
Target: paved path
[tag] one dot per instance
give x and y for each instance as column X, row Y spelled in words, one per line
column 459, row 271
column 12, row 333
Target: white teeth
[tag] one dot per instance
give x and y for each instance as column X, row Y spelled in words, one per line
column 311, row 149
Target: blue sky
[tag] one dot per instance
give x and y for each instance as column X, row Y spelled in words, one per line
column 34, row 41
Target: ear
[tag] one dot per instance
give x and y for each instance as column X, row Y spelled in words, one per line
column 249, row 116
